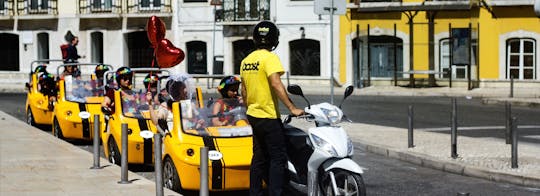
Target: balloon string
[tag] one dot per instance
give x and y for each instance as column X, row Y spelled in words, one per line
column 153, row 60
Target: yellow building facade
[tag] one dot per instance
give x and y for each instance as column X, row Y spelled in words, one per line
column 471, row 43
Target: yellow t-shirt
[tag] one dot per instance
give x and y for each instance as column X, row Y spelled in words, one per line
column 254, row 71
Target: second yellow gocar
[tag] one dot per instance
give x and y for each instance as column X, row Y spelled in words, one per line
column 79, row 98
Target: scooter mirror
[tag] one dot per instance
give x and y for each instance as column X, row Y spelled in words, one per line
column 295, row 89
column 348, row 91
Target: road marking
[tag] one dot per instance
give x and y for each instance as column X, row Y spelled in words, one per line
column 479, row 128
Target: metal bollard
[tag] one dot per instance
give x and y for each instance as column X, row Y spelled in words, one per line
column 454, row 129
column 157, row 164
column 96, row 142
column 508, row 119
column 511, row 86
column 411, row 138
column 514, row 143
column 124, row 159
column 204, row 172
column 462, row 194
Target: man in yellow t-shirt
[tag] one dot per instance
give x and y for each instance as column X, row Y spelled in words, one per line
column 261, row 88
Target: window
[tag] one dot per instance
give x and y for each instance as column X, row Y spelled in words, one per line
column 196, row 57
column 150, row 4
column 39, row 4
column 9, row 52
column 458, row 71
column 520, row 58
column 101, row 5
column 43, row 45
column 97, row 47
column 305, row 59
column 241, row 49
column 139, row 50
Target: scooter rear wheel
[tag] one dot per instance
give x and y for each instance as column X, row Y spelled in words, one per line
column 348, row 183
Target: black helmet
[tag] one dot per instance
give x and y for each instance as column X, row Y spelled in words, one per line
column 46, row 80
column 151, row 79
column 123, row 72
column 40, row 68
column 266, row 35
column 100, row 70
column 226, row 83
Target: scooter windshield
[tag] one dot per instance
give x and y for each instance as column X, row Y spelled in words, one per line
column 83, row 89
column 219, row 118
column 134, row 104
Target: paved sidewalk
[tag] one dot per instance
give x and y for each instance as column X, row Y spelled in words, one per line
column 33, row 162
column 488, row 158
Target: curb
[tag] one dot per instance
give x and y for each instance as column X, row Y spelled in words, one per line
column 513, row 102
column 452, row 167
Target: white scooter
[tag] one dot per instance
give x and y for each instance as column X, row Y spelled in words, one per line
column 320, row 160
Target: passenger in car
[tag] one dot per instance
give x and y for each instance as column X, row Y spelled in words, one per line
column 228, row 88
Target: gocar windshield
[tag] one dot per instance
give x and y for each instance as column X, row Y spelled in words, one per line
column 230, row 113
column 134, row 104
column 83, row 89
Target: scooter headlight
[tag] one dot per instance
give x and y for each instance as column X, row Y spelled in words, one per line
column 324, row 145
column 350, row 147
column 332, row 115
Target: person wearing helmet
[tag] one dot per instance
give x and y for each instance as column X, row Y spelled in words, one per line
column 70, row 70
column 97, row 81
column 47, row 86
column 179, row 88
column 100, row 72
column 151, row 84
column 228, row 88
column 260, row 72
column 124, row 77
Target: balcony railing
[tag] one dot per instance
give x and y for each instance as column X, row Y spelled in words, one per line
column 149, row 6
column 246, row 10
column 6, row 7
column 100, row 6
column 31, row 7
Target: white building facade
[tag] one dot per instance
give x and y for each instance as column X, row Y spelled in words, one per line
column 113, row 32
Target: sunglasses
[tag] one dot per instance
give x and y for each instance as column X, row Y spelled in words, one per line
column 125, row 77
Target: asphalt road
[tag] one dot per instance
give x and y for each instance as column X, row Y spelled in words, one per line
column 387, row 176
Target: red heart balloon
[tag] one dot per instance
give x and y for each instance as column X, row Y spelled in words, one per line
column 168, row 55
column 155, row 29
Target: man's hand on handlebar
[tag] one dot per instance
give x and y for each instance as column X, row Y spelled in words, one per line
column 297, row 112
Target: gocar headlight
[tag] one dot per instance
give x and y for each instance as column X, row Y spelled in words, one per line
column 325, row 146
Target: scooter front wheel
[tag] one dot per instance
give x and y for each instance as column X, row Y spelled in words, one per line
column 347, row 183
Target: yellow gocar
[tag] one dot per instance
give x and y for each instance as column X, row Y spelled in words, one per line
column 230, row 148
column 79, row 99
column 131, row 108
column 37, row 104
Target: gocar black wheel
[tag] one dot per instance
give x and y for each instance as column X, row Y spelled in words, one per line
column 114, row 153
column 30, row 118
column 57, row 131
column 170, row 176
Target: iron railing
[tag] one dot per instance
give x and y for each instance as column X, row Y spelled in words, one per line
column 149, row 6
column 6, row 7
column 31, row 7
column 246, row 10
column 100, row 6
